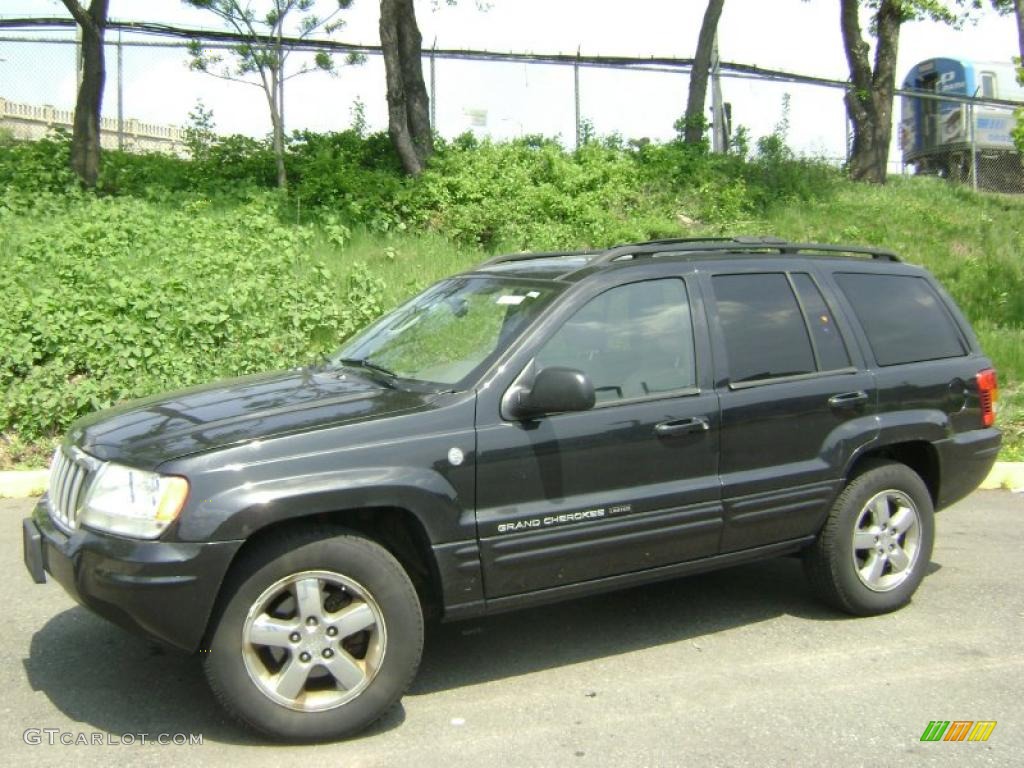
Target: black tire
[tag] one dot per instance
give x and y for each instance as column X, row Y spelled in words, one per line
column 296, row 554
column 840, row 574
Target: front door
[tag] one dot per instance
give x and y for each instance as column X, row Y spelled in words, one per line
column 628, row 485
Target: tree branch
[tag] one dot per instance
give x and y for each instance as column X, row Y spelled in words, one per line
column 231, row 78
column 79, row 14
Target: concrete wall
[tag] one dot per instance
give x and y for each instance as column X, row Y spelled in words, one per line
column 29, row 121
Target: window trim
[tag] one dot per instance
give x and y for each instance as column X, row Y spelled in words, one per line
column 807, row 319
column 739, row 385
column 683, row 392
column 803, row 313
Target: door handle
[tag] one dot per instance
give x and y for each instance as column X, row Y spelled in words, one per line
column 682, row 427
column 848, row 399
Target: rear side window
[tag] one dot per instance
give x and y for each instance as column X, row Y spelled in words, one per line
column 903, row 318
column 765, row 334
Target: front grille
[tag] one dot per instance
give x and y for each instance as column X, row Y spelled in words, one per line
column 68, row 478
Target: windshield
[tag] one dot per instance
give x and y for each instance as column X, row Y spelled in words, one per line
column 450, row 331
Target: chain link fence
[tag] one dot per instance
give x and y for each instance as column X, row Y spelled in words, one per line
column 151, row 90
column 968, row 143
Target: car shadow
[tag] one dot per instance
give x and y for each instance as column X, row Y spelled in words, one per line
column 532, row 640
column 110, row 680
column 107, row 679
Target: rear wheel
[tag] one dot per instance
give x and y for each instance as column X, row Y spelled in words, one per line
column 876, row 544
column 321, row 635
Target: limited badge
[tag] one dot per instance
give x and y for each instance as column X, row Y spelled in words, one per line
column 455, row 457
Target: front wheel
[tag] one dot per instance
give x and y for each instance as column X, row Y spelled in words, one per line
column 322, row 634
column 876, row 544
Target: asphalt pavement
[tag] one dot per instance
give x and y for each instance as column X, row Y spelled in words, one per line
column 740, row 667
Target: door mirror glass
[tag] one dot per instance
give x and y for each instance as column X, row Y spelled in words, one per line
column 555, row 390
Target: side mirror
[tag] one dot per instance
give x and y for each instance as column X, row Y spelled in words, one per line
column 555, row 390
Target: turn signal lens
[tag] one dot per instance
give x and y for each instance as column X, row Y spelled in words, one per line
column 988, row 395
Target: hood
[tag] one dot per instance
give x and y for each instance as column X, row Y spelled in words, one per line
column 148, row 432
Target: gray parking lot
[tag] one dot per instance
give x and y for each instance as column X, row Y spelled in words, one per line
column 739, row 667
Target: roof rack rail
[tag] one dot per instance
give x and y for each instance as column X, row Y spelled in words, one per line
column 512, row 257
column 738, row 244
column 683, row 240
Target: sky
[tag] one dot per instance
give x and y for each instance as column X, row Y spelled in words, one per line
column 791, row 35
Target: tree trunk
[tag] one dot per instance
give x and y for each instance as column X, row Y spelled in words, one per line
column 408, row 104
column 869, row 100
column 694, row 120
column 277, row 118
column 410, row 43
column 85, row 140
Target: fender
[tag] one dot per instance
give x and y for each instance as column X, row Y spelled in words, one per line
column 237, row 512
column 920, row 425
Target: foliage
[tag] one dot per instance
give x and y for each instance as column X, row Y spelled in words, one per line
column 34, row 167
column 532, row 193
column 188, row 270
column 200, row 133
column 261, row 59
column 262, row 54
column 107, row 299
column 347, row 175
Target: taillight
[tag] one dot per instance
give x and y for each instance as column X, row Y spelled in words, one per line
column 988, row 395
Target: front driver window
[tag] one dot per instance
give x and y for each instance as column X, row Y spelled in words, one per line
column 632, row 341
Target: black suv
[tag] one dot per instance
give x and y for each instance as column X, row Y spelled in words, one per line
column 541, row 427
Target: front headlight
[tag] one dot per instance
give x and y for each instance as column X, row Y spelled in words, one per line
column 132, row 502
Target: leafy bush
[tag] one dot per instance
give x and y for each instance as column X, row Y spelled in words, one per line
column 231, row 169
column 35, row 167
column 532, row 193
column 112, row 299
column 350, row 176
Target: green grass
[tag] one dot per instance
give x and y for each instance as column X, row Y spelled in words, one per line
column 406, row 262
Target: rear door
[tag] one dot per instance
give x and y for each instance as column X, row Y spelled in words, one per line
column 629, row 485
column 922, row 356
column 796, row 402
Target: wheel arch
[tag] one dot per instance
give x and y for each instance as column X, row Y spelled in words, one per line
column 399, row 530
column 919, row 455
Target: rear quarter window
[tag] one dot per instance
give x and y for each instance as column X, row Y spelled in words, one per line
column 903, row 317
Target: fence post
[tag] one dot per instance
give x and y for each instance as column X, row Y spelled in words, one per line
column 78, row 57
column 120, row 93
column 974, row 148
column 717, row 105
column 433, row 86
column 576, row 94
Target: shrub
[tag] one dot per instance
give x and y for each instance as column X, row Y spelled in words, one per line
column 34, row 167
column 113, row 299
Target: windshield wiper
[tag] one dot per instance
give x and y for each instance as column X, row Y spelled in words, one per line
column 357, row 362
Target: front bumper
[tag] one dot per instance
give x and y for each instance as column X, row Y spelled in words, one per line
column 165, row 590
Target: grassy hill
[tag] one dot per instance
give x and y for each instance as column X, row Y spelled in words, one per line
column 180, row 272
